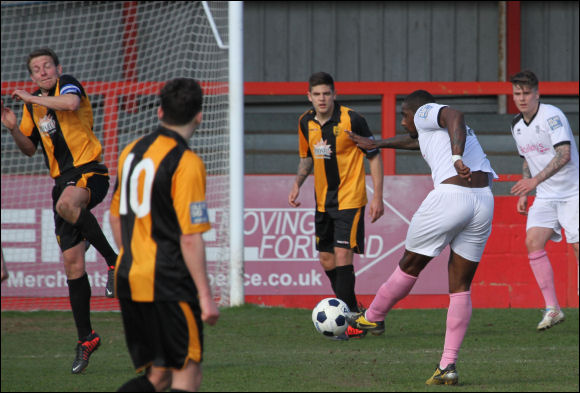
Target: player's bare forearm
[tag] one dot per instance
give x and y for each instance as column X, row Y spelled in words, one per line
column 377, row 208
column 66, row 102
column 455, row 123
column 561, row 158
column 529, row 183
column 376, row 167
column 23, row 142
column 304, row 169
column 402, row 142
column 526, row 174
column 115, row 222
column 193, row 250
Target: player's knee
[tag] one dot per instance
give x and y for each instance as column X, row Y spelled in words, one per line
column 533, row 244
column 64, row 208
column 159, row 378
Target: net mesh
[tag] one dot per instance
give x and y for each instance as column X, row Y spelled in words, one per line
column 122, row 53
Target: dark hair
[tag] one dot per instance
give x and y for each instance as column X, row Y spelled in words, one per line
column 525, row 78
column 320, row 78
column 418, row 98
column 181, row 100
column 42, row 52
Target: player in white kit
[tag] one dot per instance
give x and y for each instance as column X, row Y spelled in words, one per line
column 458, row 212
column 546, row 143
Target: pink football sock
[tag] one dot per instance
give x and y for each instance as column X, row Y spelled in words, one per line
column 544, row 274
column 458, row 317
column 394, row 289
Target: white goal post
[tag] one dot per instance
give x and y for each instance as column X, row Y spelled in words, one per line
column 122, row 52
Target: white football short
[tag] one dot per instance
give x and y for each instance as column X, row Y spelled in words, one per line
column 454, row 215
column 555, row 214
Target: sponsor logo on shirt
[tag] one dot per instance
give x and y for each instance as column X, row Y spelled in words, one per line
column 554, row 122
column 322, row 150
column 198, row 212
column 47, row 125
column 539, row 147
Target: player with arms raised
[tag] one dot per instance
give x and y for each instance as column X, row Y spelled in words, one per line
column 59, row 116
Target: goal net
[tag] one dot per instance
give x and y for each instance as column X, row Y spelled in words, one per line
column 122, row 53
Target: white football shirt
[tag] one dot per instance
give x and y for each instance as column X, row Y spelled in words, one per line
column 535, row 141
column 435, row 146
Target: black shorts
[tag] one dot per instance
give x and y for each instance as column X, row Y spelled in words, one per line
column 162, row 334
column 93, row 177
column 340, row 228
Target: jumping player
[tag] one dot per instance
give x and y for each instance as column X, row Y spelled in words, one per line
column 59, row 115
column 462, row 176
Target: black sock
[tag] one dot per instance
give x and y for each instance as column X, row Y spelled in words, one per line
column 89, row 227
column 177, row 390
column 332, row 277
column 345, row 281
column 80, row 301
column 139, row 384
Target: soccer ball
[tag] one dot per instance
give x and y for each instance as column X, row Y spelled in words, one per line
column 329, row 317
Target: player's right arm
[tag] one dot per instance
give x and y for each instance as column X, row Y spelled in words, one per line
column 403, row 142
column 522, row 206
column 304, row 169
column 306, row 162
column 9, row 121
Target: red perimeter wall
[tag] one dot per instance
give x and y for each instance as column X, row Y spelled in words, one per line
column 503, row 280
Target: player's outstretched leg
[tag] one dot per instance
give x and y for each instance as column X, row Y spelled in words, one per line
column 359, row 321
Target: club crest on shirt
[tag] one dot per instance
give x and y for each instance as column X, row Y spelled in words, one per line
column 335, row 130
column 322, row 150
column 554, row 122
column 198, row 212
column 423, row 112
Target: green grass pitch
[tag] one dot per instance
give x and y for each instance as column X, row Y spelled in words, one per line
column 276, row 349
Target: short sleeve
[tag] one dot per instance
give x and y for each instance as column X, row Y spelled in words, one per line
column 188, row 192
column 558, row 127
column 69, row 85
column 303, row 145
column 27, row 126
column 427, row 117
column 360, row 127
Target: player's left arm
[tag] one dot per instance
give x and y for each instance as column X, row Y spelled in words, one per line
column 193, row 250
column 65, row 102
column 454, row 121
column 561, row 158
column 377, row 209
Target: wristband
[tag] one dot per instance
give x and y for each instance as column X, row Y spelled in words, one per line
column 456, row 157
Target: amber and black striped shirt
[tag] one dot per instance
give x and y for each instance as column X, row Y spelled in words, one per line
column 159, row 196
column 67, row 137
column 339, row 172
